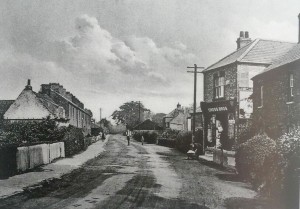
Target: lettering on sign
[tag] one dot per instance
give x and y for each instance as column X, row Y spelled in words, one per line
column 217, row 109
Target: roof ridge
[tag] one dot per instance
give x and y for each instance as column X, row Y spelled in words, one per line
column 253, row 43
column 229, row 55
column 281, row 41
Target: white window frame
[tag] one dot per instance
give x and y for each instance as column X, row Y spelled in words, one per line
column 219, row 86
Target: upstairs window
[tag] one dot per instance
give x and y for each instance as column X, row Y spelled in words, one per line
column 261, row 97
column 219, row 84
column 291, row 87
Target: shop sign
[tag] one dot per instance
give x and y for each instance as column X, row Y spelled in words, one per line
column 217, row 109
column 218, row 106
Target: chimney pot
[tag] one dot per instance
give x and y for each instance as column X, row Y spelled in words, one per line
column 28, row 87
column 242, row 34
column 246, row 34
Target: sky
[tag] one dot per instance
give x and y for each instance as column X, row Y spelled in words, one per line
column 110, row 52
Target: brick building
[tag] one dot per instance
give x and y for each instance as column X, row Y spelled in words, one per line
column 52, row 100
column 227, row 106
column 276, row 95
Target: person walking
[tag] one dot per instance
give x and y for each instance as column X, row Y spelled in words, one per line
column 128, row 133
column 142, row 140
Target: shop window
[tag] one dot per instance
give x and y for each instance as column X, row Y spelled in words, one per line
column 219, row 84
column 291, row 87
column 261, row 96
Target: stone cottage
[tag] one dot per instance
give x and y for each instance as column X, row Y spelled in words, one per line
column 177, row 119
column 52, row 100
column 227, row 106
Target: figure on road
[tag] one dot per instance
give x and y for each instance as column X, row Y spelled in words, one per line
column 128, row 134
column 142, row 140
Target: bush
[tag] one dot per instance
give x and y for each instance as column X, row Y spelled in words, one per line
column 167, row 142
column 251, row 156
column 8, row 160
column 34, row 131
column 74, row 141
column 149, row 136
column 282, row 176
column 183, row 141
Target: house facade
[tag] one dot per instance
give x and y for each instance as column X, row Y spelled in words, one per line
column 276, row 95
column 227, row 107
column 52, row 100
column 176, row 119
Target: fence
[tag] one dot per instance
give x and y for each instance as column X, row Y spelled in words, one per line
column 29, row 157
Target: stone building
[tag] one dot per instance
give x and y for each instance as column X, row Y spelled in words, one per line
column 227, row 106
column 177, row 119
column 52, row 100
column 276, row 95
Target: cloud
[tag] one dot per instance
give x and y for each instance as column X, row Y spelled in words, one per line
column 91, row 58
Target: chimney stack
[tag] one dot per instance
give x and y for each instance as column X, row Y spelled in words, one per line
column 243, row 40
column 28, row 87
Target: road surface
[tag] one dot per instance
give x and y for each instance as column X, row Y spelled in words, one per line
column 137, row 176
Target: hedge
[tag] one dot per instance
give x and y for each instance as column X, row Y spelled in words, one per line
column 74, row 141
column 271, row 166
column 150, row 137
column 8, row 160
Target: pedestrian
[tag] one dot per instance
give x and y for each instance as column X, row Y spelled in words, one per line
column 142, row 140
column 128, row 133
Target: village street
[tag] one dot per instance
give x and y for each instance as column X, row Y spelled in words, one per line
column 137, row 176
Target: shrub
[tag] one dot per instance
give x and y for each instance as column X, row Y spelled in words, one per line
column 8, row 160
column 34, row 131
column 74, row 141
column 183, row 141
column 282, row 176
column 149, row 136
column 167, row 142
column 250, row 158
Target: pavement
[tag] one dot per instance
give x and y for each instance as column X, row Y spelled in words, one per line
column 16, row 184
column 209, row 157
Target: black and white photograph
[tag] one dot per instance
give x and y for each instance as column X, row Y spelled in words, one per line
column 149, row 104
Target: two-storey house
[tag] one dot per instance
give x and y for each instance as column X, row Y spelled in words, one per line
column 227, row 107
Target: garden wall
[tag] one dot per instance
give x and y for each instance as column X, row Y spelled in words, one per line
column 29, row 157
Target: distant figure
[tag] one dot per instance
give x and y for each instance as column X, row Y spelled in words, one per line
column 142, row 140
column 128, row 134
column 103, row 136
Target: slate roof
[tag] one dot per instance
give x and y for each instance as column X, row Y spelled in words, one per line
column 259, row 51
column 291, row 56
column 4, row 105
column 48, row 103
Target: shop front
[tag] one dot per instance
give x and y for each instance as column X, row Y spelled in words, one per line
column 219, row 123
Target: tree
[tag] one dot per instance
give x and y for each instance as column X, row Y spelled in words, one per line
column 158, row 118
column 128, row 113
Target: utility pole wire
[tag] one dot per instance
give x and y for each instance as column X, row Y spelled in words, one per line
column 195, row 97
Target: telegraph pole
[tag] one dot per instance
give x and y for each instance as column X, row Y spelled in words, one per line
column 100, row 114
column 195, row 96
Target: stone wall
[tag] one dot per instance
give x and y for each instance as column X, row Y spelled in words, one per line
column 277, row 114
column 230, row 82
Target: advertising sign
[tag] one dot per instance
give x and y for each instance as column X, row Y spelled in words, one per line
column 245, row 103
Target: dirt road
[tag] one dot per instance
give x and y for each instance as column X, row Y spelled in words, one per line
column 139, row 176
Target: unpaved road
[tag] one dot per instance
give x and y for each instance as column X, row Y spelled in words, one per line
column 139, row 176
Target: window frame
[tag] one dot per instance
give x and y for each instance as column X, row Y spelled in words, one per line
column 219, row 85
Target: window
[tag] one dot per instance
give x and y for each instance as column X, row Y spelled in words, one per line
column 219, row 84
column 291, row 87
column 261, row 97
